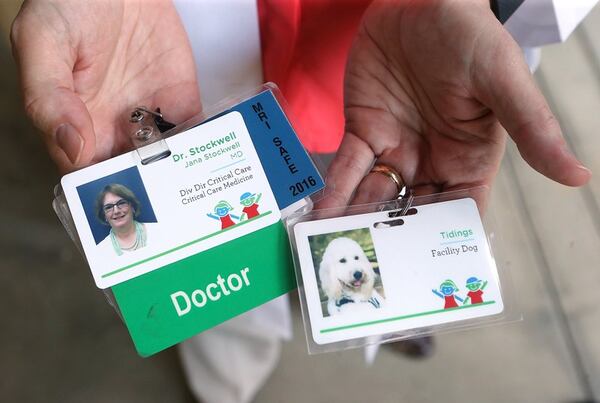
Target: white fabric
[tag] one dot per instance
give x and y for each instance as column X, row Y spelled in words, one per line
column 533, row 57
column 152, row 236
column 231, row 362
column 541, row 22
column 225, row 40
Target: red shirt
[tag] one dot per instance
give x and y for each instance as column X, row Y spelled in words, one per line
column 226, row 221
column 450, row 302
column 305, row 45
column 476, row 296
column 251, row 211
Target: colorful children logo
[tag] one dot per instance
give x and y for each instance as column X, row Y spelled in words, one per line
column 222, row 210
column 250, row 203
column 475, row 294
column 222, row 213
column 446, row 292
column 448, row 289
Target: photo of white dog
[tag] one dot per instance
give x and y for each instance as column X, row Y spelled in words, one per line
column 348, row 279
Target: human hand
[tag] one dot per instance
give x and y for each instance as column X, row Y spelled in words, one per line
column 430, row 87
column 85, row 65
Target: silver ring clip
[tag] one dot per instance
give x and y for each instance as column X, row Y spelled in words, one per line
column 404, row 207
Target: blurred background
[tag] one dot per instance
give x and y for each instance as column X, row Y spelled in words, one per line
column 61, row 341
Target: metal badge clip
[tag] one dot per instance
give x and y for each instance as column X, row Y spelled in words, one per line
column 400, row 207
column 146, row 134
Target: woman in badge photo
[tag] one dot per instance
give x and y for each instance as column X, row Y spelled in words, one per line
column 118, row 207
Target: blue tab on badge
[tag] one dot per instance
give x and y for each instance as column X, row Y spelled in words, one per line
column 290, row 171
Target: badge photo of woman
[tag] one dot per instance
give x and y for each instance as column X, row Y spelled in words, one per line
column 118, row 207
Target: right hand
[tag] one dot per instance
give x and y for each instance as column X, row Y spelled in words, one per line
column 85, row 65
column 430, row 88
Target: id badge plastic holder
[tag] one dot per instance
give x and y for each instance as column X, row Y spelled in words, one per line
column 229, row 173
column 384, row 272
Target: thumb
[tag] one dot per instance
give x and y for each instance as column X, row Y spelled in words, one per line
column 46, row 65
column 504, row 83
column 65, row 123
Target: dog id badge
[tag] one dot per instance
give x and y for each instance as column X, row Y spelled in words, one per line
column 374, row 274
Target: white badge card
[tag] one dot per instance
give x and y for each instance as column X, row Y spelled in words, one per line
column 369, row 274
column 133, row 218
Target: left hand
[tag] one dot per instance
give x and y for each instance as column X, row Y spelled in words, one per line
column 84, row 65
column 430, row 87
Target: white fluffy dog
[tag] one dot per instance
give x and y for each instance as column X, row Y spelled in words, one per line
column 348, row 278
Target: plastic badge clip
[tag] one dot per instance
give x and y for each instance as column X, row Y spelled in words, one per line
column 147, row 135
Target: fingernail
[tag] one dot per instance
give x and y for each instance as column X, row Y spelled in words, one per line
column 585, row 169
column 70, row 141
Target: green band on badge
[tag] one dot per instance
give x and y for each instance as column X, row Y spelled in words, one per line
column 175, row 302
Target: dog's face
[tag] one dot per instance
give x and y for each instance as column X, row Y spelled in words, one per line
column 345, row 270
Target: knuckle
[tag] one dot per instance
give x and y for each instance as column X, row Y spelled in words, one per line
column 14, row 34
column 18, row 25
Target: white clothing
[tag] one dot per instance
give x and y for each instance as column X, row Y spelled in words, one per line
column 542, row 22
column 230, row 363
column 152, row 233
